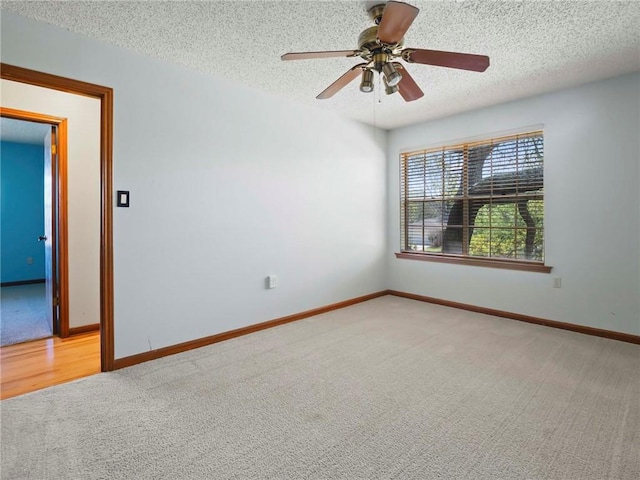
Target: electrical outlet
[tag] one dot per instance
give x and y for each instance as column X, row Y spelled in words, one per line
column 29, row 260
column 272, row 281
column 557, row 282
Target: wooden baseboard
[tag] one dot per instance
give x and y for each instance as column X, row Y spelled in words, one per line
column 623, row 337
column 84, row 329
column 22, row 282
column 220, row 337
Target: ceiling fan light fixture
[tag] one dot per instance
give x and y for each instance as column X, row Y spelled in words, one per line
column 366, row 85
column 391, row 75
column 389, row 89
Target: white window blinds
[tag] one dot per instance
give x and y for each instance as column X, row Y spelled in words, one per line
column 480, row 199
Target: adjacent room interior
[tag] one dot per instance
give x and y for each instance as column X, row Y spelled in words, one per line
column 22, row 210
column 431, row 272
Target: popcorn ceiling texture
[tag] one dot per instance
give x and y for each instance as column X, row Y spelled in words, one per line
column 534, row 46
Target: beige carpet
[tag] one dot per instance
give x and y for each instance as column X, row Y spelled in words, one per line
column 391, row 388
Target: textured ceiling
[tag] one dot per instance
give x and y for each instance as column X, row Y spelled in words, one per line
column 19, row 131
column 534, row 46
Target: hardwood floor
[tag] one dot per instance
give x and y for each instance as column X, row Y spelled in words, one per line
column 31, row 366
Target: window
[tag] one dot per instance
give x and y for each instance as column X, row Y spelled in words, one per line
column 481, row 201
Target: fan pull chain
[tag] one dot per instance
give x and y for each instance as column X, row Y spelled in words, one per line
column 373, row 105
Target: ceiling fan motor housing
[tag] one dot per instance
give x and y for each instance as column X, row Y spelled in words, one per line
column 368, row 39
column 370, row 47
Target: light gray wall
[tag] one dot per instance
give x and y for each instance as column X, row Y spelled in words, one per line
column 592, row 209
column 228, row 185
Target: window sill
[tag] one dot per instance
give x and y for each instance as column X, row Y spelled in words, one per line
column 478, row 262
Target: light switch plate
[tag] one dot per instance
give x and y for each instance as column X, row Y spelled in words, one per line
column 122, row 198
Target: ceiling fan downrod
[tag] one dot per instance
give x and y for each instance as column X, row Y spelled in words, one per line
column 376, row 12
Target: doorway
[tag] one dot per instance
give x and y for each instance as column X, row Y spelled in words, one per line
column 105, row 97
column 31, row 287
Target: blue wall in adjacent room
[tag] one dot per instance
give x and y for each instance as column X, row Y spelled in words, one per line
column 21, row 211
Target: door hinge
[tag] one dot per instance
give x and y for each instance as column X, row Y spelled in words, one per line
column 53, row 149
column 56, row 301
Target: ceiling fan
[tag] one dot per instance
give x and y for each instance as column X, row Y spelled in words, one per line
column 381, row 45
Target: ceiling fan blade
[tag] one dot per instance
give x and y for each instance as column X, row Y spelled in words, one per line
column 326, row 54
column 341, row 82
column 464, row 61
column 408, row 88
column 396, row 20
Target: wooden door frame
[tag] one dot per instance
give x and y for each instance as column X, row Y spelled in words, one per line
column 59, row 209
column 105, row 95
